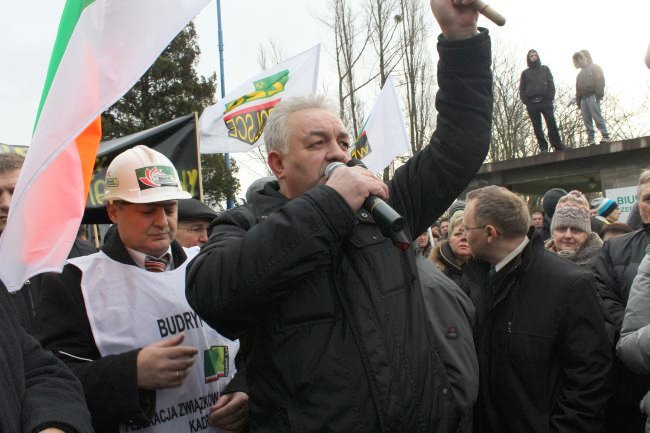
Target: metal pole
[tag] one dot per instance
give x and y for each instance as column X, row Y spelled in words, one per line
column 229, row 200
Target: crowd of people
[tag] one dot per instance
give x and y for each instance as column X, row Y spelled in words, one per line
column 301, row 311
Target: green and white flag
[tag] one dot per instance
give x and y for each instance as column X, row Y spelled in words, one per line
column 384, row 135
column 102, row 48
column 236, row 123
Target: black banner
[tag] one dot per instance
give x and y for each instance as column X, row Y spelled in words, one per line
column 176, row 139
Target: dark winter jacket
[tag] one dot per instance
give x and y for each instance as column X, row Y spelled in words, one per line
column 615, row 269
column 633, row 348
column 36, row 390
column 590, row 80
column 451, row 314
column 544, row 353
column 110, row 382
column 536, row 83
column 24, row 300
column 332, row 310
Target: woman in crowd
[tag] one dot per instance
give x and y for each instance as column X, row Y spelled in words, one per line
column 452, row 254
column 571, row 235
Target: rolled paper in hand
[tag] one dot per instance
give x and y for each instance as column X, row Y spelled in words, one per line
column 488, row 12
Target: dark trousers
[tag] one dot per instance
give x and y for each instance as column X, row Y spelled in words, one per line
column 535, row 112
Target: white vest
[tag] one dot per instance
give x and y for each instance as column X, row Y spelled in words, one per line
column 129, row 307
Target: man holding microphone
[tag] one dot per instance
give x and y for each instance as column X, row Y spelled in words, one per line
column 328, row 309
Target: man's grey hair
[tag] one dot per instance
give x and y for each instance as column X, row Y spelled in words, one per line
column 643, row 179
column 501, row 208
column 11, row 161
column 276, row 132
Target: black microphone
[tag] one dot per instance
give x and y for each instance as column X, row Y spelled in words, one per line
column 389, row 221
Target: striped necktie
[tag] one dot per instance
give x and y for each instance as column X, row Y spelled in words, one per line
column 153, row 264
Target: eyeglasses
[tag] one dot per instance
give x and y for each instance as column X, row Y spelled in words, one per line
column 195, row 229
column 464, row 230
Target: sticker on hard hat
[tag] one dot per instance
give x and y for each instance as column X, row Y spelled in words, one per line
column 112, row 182
column 156, row 176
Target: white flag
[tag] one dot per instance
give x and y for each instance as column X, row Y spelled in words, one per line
column 384, row 135
column 101, row 50
column 236, row 123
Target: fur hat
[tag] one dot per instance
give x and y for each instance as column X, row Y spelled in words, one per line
column 604, row 206
column 573, row 217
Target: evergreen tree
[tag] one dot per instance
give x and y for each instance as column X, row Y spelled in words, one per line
column 171, row 88
column 216, row 177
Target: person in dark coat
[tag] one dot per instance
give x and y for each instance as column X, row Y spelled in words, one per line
column 549, row 201
column 615, row 269
column 633, row 348
column 451, row 255
column 37, row 392
column 120, row 321
column 451, row 315
column 537, row 92
column 542, row 345
column 194, row 218
column 330, row 308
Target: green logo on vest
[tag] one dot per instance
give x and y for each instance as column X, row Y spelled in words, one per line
column 215, row 363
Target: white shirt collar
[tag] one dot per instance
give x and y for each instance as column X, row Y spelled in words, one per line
column 514, row 253
column 139, row 257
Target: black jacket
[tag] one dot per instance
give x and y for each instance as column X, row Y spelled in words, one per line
column 36, row 390
column 536, row 84
column 110, row 382
column 451, row 314
column 615, row 269
column 24, row 300
column 331, row 309
column 543, row 350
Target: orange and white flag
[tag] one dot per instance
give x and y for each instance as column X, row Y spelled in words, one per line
column 102, row 48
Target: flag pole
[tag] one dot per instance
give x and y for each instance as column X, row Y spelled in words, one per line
column 226, row 156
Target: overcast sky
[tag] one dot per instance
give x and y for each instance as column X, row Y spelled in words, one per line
column 616, row 33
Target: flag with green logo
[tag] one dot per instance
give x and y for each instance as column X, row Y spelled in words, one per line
column 236, row 123
column 102, row 48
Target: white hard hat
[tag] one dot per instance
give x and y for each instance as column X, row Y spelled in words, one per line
column 142, row 175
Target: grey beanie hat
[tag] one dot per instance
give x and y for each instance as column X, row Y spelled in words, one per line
column 573, row 217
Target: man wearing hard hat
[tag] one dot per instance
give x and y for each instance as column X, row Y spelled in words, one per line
column 120, row 320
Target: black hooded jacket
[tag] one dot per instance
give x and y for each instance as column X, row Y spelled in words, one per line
column 536, row 84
